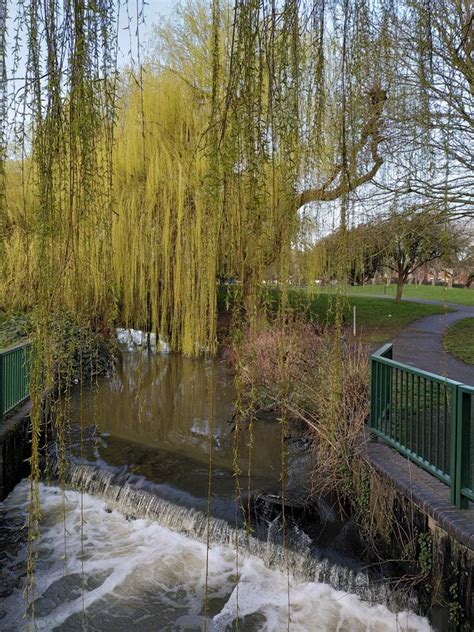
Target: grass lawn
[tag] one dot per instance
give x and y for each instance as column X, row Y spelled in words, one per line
column 459, row 340
column 462, row 296
column 378, row 320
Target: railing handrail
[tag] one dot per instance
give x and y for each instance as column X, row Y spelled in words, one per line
column 396, row 416
column 14, row 377
column 381, row 353
column 382, row 359
column 14, row 347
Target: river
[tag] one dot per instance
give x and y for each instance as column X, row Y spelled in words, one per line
column 127, row 538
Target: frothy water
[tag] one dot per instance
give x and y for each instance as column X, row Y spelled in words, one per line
column 112, row 572
column 187, row 520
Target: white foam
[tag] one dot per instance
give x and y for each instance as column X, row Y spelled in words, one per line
column 133, row 339
column 137, row 568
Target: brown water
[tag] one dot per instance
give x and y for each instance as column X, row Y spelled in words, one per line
column 173, row 403
column 135, row 552
column 159, row 420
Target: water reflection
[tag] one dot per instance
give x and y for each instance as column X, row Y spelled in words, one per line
column 165, row 402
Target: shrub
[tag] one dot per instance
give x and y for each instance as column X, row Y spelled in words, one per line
column 304, row 373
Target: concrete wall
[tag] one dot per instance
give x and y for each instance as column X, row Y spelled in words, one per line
column 15, row 450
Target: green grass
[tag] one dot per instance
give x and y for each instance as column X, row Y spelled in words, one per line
column 461, row 296
column 378, row 320
column 459, row 340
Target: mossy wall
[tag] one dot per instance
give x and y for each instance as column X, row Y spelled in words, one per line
column 424, row 557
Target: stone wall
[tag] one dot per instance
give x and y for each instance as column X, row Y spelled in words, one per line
column 15, row 450
column 430, row 540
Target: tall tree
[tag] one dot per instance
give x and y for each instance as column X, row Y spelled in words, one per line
column 432, row 126
column 416, row 237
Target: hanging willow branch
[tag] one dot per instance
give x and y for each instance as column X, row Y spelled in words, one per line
column 3, row 121
column 241, row 124
column 371, row 138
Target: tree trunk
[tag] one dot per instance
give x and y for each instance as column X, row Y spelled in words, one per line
column 400, row 280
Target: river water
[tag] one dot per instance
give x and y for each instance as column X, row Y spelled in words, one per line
column 124, row 541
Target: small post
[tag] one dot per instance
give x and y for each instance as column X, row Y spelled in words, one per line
column 354, row 323
column 373, row 421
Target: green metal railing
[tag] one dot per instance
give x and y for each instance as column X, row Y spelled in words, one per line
column 427, row 418
column 14, row 377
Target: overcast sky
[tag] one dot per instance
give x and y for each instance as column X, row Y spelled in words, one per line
column 154, row 10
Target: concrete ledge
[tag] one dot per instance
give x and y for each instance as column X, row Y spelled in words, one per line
column 15, row 449
column 424, row 490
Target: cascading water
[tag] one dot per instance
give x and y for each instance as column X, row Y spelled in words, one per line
column 124, row 536
column 113, row 572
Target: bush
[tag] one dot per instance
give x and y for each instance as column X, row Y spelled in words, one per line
column 14, row 329
column 303, row 373
column 75, row 352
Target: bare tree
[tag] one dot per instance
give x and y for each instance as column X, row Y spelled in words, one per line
column 415, row 238
column 432, row 126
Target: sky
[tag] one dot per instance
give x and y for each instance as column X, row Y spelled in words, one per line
column 154, row 10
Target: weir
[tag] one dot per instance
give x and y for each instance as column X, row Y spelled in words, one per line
column 145, row 459
column 302, row 563
column 113, row 572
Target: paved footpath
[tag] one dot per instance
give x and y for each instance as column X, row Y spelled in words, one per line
column 420, row 344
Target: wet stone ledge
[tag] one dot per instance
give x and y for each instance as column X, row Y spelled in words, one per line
column 15, row 449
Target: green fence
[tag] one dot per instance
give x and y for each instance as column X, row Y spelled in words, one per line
column 427, row 418
column 14, row 377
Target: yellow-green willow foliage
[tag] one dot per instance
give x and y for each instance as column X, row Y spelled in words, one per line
column 272, row 106
column 165, row 228
column 58, row 203
column 3, row 117
column 58, row 198
column 71, row 243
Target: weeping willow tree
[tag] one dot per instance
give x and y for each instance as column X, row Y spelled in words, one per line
column 132, row 196
column 241, row 120
column 129, row 200
column 218, row 148
column 57, row 214
column 3, row 119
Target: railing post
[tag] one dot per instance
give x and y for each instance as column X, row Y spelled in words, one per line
column 387, row 386
column 373, row 387
column 378, row 385
column 454, row 448
column 462, row 446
